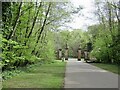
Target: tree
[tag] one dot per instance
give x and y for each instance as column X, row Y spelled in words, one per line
column 28, row 31
column 106, row 32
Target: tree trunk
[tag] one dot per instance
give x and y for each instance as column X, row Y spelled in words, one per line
column 16, row 22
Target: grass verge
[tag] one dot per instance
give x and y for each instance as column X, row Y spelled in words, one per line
column 50, row 75
column 109, row 67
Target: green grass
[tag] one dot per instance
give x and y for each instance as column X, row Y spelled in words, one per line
column 39, row 76
column 109, row 67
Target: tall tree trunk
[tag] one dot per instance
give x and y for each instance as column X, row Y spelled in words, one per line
column 33, row 24
column 42, row 28
column 27, row 28
column 44, row 22
column 34, row 21
column 16, row 22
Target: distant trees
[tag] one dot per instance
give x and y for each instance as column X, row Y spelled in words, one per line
column 73, row 40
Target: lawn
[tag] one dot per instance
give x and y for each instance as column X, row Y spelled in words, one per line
column 110, row 67
column 50, row 75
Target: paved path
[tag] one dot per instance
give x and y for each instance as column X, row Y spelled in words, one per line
column 83, row 75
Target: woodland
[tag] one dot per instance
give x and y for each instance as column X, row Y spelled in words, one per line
column 31, row 33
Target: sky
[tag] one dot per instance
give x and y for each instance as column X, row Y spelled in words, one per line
column 87, row 16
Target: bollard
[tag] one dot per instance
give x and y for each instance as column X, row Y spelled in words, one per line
column 60, row 54
column 79, row 54
column 86, row 55
column 66, row 53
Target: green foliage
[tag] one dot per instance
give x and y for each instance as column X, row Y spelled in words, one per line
column 27, row 35
column 105, row 35
column 49, row 49
column 9, row 74
column 21, row 70
column 104, row 48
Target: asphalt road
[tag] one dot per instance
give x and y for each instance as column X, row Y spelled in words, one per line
column 83, row 75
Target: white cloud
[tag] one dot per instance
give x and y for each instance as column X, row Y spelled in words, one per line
column 87, row 18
